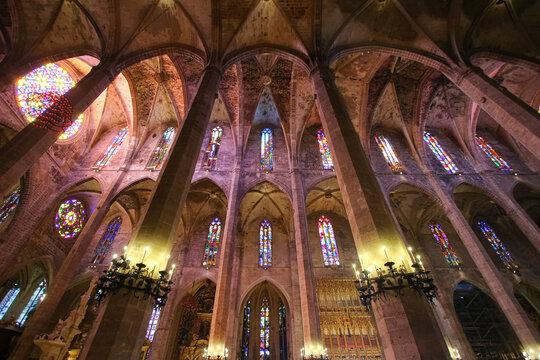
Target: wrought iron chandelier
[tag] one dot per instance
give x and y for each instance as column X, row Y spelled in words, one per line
column 136, row 278
column 320, row 355
column 372, row 284
column 215, row 356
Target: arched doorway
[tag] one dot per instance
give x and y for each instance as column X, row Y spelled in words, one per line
column 485, row 325
column 265, row 321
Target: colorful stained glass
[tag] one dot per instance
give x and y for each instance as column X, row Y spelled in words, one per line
column 267, row 150
column 32, row 303
column 445, row 160
column 9, row 204
column 265, row 244
column 158, row 155
column 328, row 242
column 8, row 300
column 498, row 246
column 210, row 155
column 106, row 241
column 111, row 150
column 152, row 324
column 49, row 78
column 282, row 322
column 442, row 240
column 389, row 154
column 327, row 162
column 245, row 331
column 492, row 154
column 70, row 218
column 210, row 252
column 264, row 347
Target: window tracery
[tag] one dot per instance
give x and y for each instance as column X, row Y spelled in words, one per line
column 152, row 324
column 498, row 246
column 211, row 249
column 32, row 303
column 46, row 79
column 111, row 150
column 441, row 155
column 389, row 154
column 158, row 155
column 267, row 150
column 9, row 204
column 211, row 153
column 493, row 155
column 70, row 218
column 264, row 346
column 328, row 242
column 265, row 244
column 439, row 235
column 107, row 240
column 8, row 299
column 245, row 330
column 327, row 162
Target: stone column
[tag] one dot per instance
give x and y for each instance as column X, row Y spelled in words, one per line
column 225, row 301
column 119, row 334
column 42, row 318
column 372, row 225
column 501, row 289
column 25, row 149
column 306, row 278
column 516, row 117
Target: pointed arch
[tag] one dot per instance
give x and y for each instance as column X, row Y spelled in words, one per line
column 328, row 242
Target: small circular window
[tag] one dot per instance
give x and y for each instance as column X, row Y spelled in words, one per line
column 70, row 218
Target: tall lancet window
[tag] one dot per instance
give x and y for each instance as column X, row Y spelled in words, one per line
column 439, row 235
column 32, row 303
column 328, row 242
column 111, row 150
column 492, row 154
column 158, row 155
column 265, row 244
column 210, row 156
column 389, row 154
column 267, row 150
column 152, row 324
column 107, row 240
column 211, row 250
column 282, row 322
column 445, row 160
column 498, row 246
column 264, row 347
column 245, row 330
column 9, row 204
column 8, row 299
column 325, row 150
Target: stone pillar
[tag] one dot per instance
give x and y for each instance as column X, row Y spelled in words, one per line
column 42, row 318
column 516, row 117
column 225, row 301
column 501, row 289
column 25, row 149
column 373, row 226
column 120, row 333
column 306, row 278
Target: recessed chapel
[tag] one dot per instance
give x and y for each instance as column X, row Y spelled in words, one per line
column 269, row 179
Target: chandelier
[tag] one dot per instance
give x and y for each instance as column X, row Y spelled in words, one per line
column 313, row 355
column 377, row 282
column 215, row 355
column 137, row 278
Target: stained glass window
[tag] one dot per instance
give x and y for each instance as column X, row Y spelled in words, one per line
column 267, row 150
column 9, row 204
column 442, row 240
column 389, row 154
column 325, row 150
column 152, row 324
column 445, row 160
column 8, row 300
column 32, row 303
column 265, row 244
column 210, row 155
column 245, row 330
column 158, row 155
column 106, row 241
column 211, row 249
column 328, row 242
column 70, row 218
column 498, row 246
column 111, row 150
column 492, row 154
column 282, row 322
column 46, row 79
column 264, row 347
